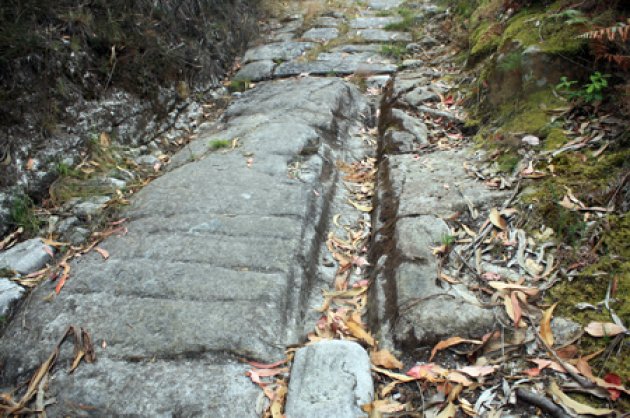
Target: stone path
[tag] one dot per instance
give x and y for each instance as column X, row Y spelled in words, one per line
column 225, row 256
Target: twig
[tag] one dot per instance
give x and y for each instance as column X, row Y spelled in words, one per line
column 584, row 382
column 541, row 402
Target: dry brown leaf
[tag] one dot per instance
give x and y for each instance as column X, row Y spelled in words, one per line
column 509, row 309
column 104, row 140
column 278, row 401
column 383, row 405
column 574, row 405
column 531, row 291
column 357, row 331
column 385, row 359
column 449, row 342
column 545, row 325
column 362, row 208
column 103, row 252
column 396, row 376
column 478, row 371
column 604, row 329
column 496, row 219
column 449, row 412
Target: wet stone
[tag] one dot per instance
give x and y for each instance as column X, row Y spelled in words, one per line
column 380, row 35
column 255, row 71
column 329, row 379
column 320, row 34
column 420, row 95
column 283, row 51
column 374, row 22
column 26, row 257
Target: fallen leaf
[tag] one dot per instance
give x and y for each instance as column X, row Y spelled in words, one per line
column 385, row 359
column 449, row 412
column 104, row 139
column 531, row 291
column 449, row 342
column 103, row 252
column 360, row 207
column 384, row 406
column 604, row 329
column 267, row 366
column 278, row 401
column 426, row 371
column 478, row 371
column 357, row 331
column 496, row 219
column 396, row 376
column 30, row 164
column 574, row 405
column 516, row 306
column 615, row 380
column 545, row 325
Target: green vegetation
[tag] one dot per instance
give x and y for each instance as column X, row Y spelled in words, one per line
column 216, row 144
column 239, row 85
column 407, row 23
column 590, row 92
column 394, row 50
column 23, row 215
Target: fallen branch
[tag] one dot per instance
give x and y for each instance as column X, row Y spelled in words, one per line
column 541, row 402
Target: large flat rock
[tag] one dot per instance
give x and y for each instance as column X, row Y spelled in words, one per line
column 277, row 51
column 378, row 22
column 341, row 63
column 329, row 379
column 216, row 266
column 380, row 35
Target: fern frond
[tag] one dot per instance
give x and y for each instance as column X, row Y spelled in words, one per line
column 620, row 30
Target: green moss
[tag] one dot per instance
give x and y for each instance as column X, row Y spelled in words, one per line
column 555, row 139
column 219, row 144
column 484, row 40
column 22, row 214
column 529, row 115
column 534, row 28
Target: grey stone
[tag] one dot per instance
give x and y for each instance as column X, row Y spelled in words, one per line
column 329, row 379
column 66, row 224
column 440, row 114
column 215, row 265
column 320, row 34
column 374, row 22
column 420, row 95
column 10, row 294
column 384, row 4
column 410, row 124
column 328, row 22
column 380, row 35
column 428, row 41
column 255, row 71
column 565, row 331
column 355, row 48
column 342, row 65
column 147, row 160
column 377, row 81
column 78, row 236
column 26, row 257
column 412, row 63
column 90, row 207
column 277, row 51
column 398, row 141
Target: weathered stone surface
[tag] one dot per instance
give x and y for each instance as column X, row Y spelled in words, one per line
column 320, row 34
column 26, row 257
column 90, row 207
column 255, row 71
column 380, row 35
column 384, row 4
column 329, row 379
column 354, row 48
column 410, row 124
column 398, row 141
column 328, row 21
column 374, row 22
column 420, row 95
column 277, row 51
column 10, row 294
column 341, row 65
column 214, row 266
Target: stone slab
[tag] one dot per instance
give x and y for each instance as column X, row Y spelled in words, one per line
column 339, row 67
column 380, row 35
column 385, row 4
column 320, row 34
column 214, row 266
column 10, row 294
column 256, row 71
column 329, row 379
column 277, row 51
column 26, row 257
column 374, row 22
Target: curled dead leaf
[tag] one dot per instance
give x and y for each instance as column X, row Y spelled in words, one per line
column 545, row 325
column 604, row 329
column 496, row 219
column 385, row 359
